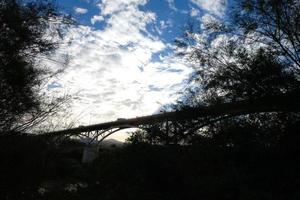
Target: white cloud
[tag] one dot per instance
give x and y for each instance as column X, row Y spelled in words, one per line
column 112, row 73
column 206, row 19
column 165, row 24
column 97, row 18
column 216, row 7
column 194, row 12
column 171, row 4
column 80, row 10
column 109, row 7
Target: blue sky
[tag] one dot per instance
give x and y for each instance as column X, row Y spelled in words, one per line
column 177, row 13
column 121, row 55
column 171, row 15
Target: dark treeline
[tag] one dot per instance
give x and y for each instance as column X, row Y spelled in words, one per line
column 36, row 169
column 254, row 54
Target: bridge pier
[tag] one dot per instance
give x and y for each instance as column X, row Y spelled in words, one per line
column 90, row 150
column 90, row 153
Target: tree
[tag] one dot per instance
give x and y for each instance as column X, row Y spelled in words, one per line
column 137, row 137
column 25, row 33
column 253, row 55
column 274, row 23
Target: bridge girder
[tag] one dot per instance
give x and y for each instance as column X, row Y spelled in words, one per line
column 288, row 102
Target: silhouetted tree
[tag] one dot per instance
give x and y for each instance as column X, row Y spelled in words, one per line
column 274, row 23
column 25, row 33
column 255, row 54
column 137, row 137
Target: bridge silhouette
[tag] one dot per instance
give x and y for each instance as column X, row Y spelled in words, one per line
column 288, row 102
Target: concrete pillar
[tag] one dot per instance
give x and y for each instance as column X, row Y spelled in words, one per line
column 90, row 153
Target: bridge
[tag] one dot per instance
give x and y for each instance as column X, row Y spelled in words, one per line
column 201, row 115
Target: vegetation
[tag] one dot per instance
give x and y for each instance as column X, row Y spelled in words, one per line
column 253, row 55
column 150, row 172
column 25, row 35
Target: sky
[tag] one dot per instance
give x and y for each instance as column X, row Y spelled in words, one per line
column 121, row 61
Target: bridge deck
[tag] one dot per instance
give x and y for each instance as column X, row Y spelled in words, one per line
column 285, row 102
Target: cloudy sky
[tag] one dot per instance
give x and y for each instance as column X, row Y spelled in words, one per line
column 121, row 61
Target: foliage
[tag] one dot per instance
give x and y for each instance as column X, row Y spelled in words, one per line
column 253, row 55
column 196, row 172
column 25, row 34
column 137, row 137
column 34, row 167
column 273, row 23
column 153, row 134
column 28, row 161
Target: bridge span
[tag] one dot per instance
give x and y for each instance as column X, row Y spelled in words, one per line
column 288, row 102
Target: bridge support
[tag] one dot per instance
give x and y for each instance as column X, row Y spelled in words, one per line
column 92, row 143
column 90, row 153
